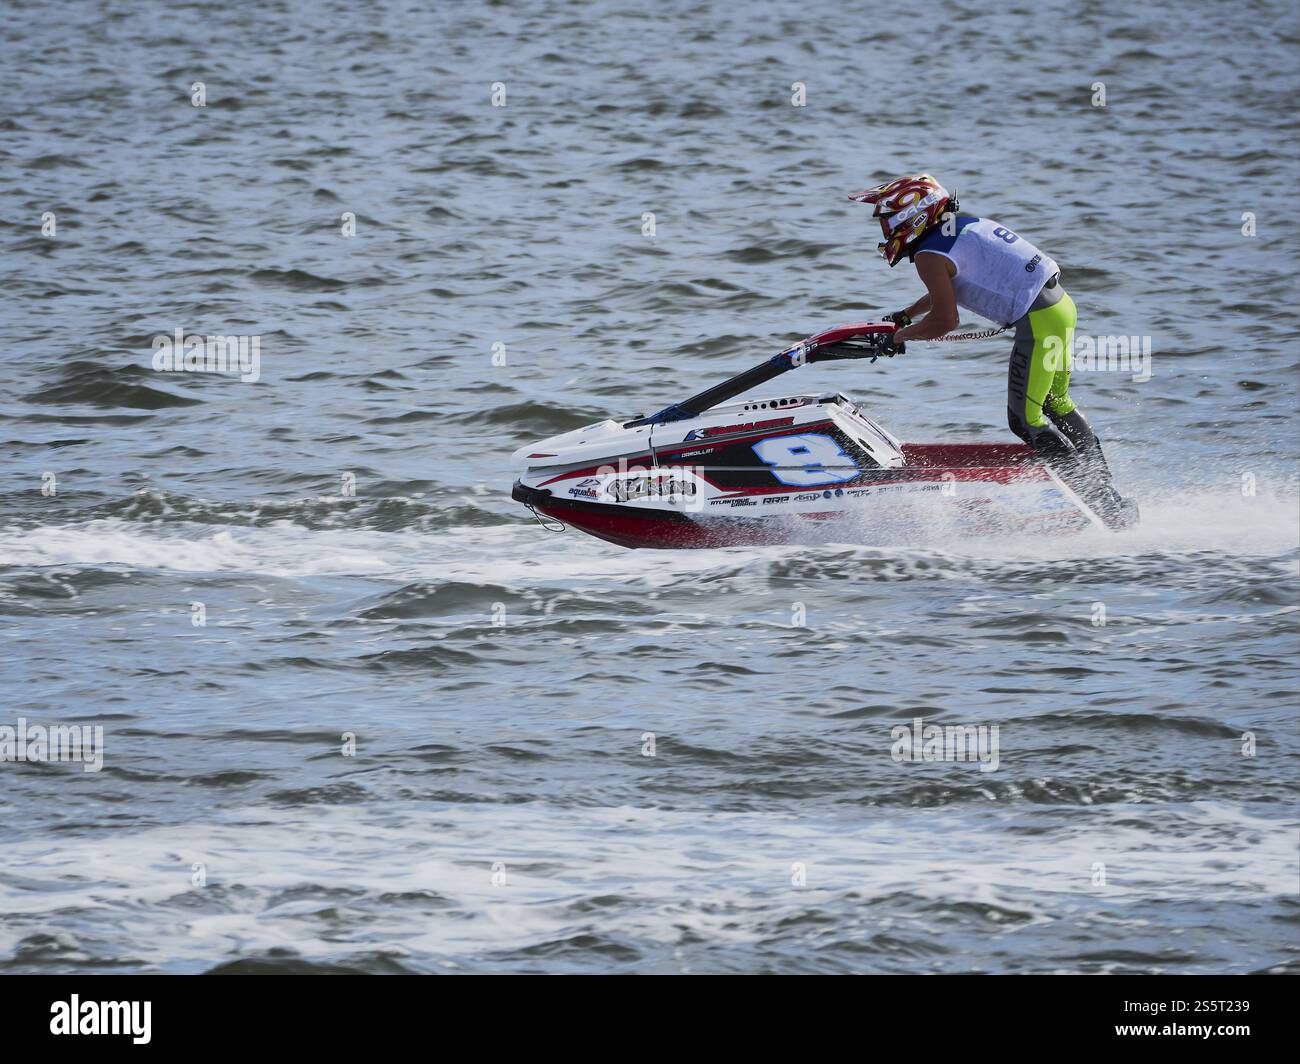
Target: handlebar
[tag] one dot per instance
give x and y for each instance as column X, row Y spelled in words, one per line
column 860, row 340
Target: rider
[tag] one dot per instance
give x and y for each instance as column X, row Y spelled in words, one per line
column 986, row 268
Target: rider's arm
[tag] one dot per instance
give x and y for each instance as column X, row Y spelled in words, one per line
column 921, row 306
column 940, row 300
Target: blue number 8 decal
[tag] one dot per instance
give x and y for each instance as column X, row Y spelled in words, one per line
column 800, row 460
column 1005, row 234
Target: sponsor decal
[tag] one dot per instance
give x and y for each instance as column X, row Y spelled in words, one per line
column 905, row 489
column 586, row 489
column 725, row 430
column 649, row 485
column 771, row 499
column 1032, row 264
column 696, row 454
column 808, row 496
column 913, row 209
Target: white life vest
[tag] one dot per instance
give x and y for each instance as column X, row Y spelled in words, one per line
column 999, row 274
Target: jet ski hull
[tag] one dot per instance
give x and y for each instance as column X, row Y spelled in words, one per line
column 968, row 489
column 792, row 469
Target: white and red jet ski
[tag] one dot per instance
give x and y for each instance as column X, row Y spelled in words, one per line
column 786, row 470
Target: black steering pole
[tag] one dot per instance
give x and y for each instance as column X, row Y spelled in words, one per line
column 839, row 344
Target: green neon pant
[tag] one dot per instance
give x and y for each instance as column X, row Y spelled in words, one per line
column 1039, row 376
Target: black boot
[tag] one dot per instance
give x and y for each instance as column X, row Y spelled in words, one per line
column 1090, row 476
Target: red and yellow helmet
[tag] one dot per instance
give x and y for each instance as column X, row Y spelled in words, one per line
column 909, row 208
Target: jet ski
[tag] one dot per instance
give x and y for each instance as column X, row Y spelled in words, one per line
column 707, row 472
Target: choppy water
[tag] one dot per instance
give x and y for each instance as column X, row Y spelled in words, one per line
column 498, row 678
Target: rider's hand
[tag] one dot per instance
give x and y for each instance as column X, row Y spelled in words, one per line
column 889, row 347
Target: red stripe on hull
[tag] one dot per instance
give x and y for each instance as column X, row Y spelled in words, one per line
column 637, row 530
column 960, row 455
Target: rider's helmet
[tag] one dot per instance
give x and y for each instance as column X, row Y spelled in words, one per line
column 909, row 209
